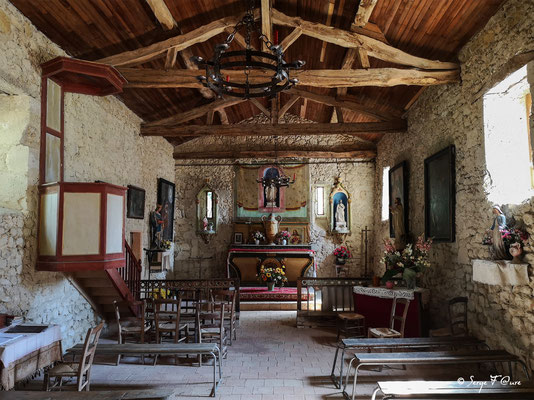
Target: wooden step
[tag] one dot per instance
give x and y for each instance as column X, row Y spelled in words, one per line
column 89, row 274
column 98, row 283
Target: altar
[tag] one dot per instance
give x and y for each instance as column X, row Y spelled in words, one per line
column 244, row 261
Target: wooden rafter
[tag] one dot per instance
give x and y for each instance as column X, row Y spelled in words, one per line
column 180, row 42
column 287, row 106
column 351, row 153
column 352, row 129
column 365, row 9
column 162, row 13
column 194, row 113
column 275, row 109
column 326, row 78
column 329, row 13
column 303, row 108
column 343, row 38
column 368, row 111
column 291, row 38
column 266, row 24
column 261, row 107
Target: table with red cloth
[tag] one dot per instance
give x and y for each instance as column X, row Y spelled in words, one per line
column 374, row 303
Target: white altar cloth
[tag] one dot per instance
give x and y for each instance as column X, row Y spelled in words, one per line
column 27, row 343
column 399, row 293
column 500, row 272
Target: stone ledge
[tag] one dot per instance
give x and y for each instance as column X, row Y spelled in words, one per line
column 500, row 272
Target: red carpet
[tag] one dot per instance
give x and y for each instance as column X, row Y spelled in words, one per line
column 262, row 294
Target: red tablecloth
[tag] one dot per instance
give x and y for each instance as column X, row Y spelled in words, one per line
column 377, row 312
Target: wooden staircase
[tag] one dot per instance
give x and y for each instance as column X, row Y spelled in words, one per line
column 102, row 287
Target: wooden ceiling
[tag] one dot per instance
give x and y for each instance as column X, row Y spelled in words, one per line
column 431, row 29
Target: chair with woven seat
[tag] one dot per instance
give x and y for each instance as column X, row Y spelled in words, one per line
column 229, row 298
column 457, row 319
column 131, row 327
column 391, row 332
column 80, row 370
column 350, row 324
column 167, row 313
column 210, row 325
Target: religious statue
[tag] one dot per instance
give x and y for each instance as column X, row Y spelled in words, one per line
column 156, row 227
column 341, row 221
column 205, row 223
column 499, row 223
column 270, row 195
column 397, row 212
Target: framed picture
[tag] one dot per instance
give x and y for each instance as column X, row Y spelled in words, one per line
column 166, row 199
column 440, row 195
column 398, row 191
column 135, row 202
column 238, row 238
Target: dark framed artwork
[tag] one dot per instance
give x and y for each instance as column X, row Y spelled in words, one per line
column 398, row 189
column 166, row 191
column 135, row 202
column 440, row 195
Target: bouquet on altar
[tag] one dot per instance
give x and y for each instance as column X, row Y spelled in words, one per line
column 257, row 235
column 342, row 252
column 270, row 274
column 407, row 262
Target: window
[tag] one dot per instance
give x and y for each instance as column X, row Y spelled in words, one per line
column 507, row 140
column 209, row 205
column 319, row 201
column 385, row 194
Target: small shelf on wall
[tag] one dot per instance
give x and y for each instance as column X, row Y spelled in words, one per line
column 500, row 273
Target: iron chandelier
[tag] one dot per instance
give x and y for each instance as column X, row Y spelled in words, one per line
column 247, row 60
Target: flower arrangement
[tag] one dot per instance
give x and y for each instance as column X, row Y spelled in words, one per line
column 257, row 235
column 284, row 235
column 342, row 252
column 166, row 244
column 408, row 262
column 271, row 274
column 509, row 237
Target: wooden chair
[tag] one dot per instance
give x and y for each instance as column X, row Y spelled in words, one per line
column 210, row 325
column 167, row 321
column 229, row 299
column 391, row 332
column 80, row 370
column 457, row 319
column 350, row 324
column 132, row 327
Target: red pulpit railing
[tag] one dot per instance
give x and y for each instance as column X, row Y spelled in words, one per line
column 131, row 272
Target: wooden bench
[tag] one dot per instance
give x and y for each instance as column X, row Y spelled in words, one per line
column 136, row 349
column 453, row 390
column 156, row 394
column 431, row 357
column 397, row 344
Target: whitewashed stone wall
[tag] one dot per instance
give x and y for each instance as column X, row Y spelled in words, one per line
column 358, row 178
column 102, row 143
column 451, row 114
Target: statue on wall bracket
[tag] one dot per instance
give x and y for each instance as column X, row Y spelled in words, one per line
column 340, row 215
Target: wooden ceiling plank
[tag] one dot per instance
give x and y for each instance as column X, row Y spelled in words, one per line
column 287, row 106
column 194, row 113
column 180, row 42
column 347, row 153
column 350, row 129
column 365, row 9
column 266, row 23
column 327, row 78
column 374, row 47
column 162, row 13
column 261, row 107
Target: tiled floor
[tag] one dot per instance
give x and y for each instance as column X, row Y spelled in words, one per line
column 271, row 359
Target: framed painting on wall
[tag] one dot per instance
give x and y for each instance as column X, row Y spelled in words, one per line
column 440, row 195
column 166, row 199
column 135, row 202
column 398, row 195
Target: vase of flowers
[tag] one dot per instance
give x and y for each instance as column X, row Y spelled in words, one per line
column 283, row 237
column 258, row 237
column 342, row 254
column 513, row 239
column 408, row 262
column 272, row 276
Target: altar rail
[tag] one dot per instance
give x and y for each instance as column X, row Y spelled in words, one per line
column 324, row 298
column 151, row 288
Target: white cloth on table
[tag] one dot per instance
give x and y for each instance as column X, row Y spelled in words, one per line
column 27, row 343
column 398, row 293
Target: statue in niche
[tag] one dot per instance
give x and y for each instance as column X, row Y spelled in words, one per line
column 499, row 223
column 271, row 192
column 156, row 227
column 341, row 221
column 397, row 212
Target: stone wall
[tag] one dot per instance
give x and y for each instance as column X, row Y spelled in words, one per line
column 453, row 114
column 102, row 143
column 358, row 178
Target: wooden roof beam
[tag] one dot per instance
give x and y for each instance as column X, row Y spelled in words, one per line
column 351, row 129
column 326, row 78
column 266, row 23
column 348, row 153
column 287, row 106
column 343, row 38
column 260, row 107
column 162, row 13
column 197, row 112
column 365, row 9
column 329, row 13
